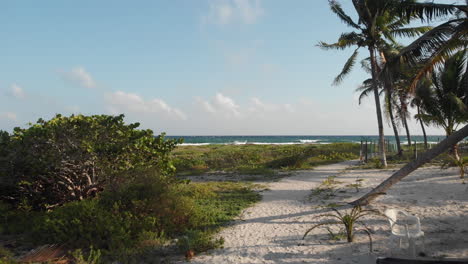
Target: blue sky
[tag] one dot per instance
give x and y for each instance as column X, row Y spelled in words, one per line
column 205, row 67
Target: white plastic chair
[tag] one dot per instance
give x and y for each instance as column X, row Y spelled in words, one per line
column 405, row 225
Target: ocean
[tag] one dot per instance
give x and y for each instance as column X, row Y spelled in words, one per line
column 286, row 140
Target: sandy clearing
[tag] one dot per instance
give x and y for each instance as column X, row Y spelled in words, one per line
column 271, row 231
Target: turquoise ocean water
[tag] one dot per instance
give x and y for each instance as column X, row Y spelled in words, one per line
column 284, row 140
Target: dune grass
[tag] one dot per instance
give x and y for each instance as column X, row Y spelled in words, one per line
column 259, row 159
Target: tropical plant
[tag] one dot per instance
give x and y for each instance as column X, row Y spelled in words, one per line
column 366, row 89
column 443, row 102
column 460, row 163
column 378, row 24
column 416, row 102
column 349, row 220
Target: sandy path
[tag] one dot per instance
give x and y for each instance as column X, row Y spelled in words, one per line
column 270, row 231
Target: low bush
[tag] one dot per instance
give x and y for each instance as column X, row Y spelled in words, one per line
column 258, row 159
column 146, row 213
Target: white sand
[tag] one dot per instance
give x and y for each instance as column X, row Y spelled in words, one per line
column 272, row 230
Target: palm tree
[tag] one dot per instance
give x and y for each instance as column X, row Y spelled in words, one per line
column 433, row 47
column 377, row 25
column 421, row 91
column 443, row 103
column 365, row 89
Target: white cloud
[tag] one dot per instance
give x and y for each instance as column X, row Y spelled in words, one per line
column 79, row 76
column 8, row 116
column 119, row 102
column 224, row 106
column 223, row 12
column 220, row 105
column 17, row 92
column 257, row 106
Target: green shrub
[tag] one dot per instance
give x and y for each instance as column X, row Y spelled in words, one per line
column 199, row 241
column 92, row 257
column 85, row 223
column 146, row 211
column 72, row 158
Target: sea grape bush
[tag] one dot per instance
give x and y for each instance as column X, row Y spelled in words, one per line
column 72, row 158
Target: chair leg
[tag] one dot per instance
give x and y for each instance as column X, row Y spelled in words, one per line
column 424, row 244
column 412, row 247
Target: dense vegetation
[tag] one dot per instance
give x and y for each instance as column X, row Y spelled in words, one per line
column 72, row 158
column 95, row 182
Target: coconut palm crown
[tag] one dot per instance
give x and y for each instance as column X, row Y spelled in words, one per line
column 378, row 25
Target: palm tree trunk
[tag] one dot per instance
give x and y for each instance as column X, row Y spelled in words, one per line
column 383, row 158
column 403, row 115
column 408, row 136
column 455, row 152
column 422, row 127
column 443, row 146
column 392, row 120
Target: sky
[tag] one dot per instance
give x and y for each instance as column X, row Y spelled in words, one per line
column 184, row 67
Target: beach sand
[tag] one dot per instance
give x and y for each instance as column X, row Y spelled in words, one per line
column 272, row 230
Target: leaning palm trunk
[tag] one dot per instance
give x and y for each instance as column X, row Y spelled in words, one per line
column 422, row 127
column 443, row 146
column 388, row 93
column 378, row 109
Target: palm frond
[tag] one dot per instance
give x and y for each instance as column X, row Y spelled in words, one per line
column 410, row 32
column 425, row 11
column 346, row 68
column 431, row 41
column 450, row 46
column 346, row 40
column 365, row 89
column 338, row 10
column 457, row 102
column 366, row 66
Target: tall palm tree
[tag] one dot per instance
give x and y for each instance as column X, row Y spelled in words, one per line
column 377, row 25
column 431, row 48
column 366, row 88
column 443, row 103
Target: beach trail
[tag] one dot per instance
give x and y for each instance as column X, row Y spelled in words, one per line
column 271, row 231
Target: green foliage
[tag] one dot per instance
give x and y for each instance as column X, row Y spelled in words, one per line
column 348, row 220
column 356, row 185
column 443, row 100
column 258, row 159
column 72, row 158
column 122, row 216
column 145, row 212
column 93, row 256
column 461, row 163
column 6, row 257
column 326, row 189
column 199, row 241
